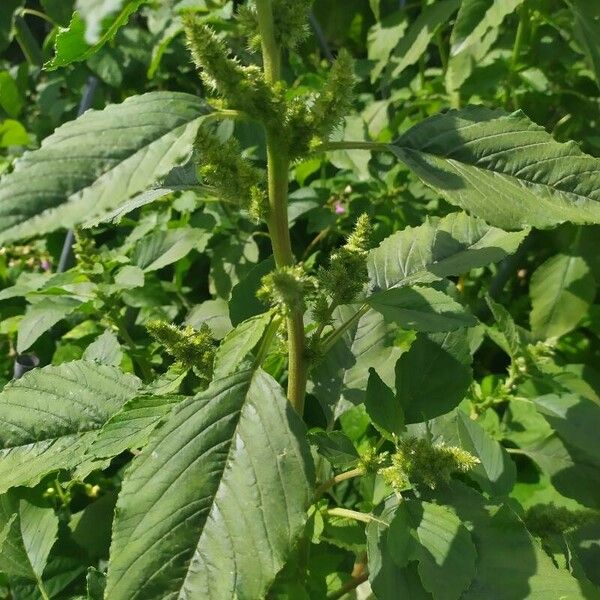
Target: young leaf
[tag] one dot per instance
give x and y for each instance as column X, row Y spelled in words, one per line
column 130, row 428
column 41, row 316
column 336, row 447
column 65, row 407
column 78, row 174
column 106, row 350
column 434, row 375
column 421, row 309
column 503, row 168
column 446, row 554
column 576, row 420
column 383, row 407
column 562, row 290
column 496, row 472
column 31, row 533
column 238, row 343
column 163, row 248
column 420, row 33
column 514, row 339
column 452, row 246
column 340, row 378
column 215, row 504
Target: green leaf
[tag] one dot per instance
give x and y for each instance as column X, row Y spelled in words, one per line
column 58, row 10
column 106, row 350
column 12, row 133
column 215, row 313
column 562, row 290
column 244, row 303
column 586, row 28
column 41, row 316
column 78, row 174
column 31, row 534
column 131, row 427
column 452, row 246
column 130, row 276
column 503, row 168
column 238, row 344
column 572, row 472
column 511, row 565
column 514, row 339
column 95, row 12
column 65, row 407
column 419, row 34
column 78, row 42
column 399, row 538
column 339, row 380
column 434, row 375
column 421, row 309
column 445, row 551
column 475, row 30
column 496, row 473
column 383, row 407
column 336, row 447
column 7, row 11
column 215, row 504
column 10, row 96
column 576, row 420
column 383, row 38
column 165, row 247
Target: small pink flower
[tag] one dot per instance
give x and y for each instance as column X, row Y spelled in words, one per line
column 45, row 264
column 338, row 208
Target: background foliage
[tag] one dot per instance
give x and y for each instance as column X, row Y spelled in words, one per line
column 481, row 334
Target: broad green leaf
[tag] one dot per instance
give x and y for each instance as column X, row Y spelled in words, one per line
column 215, row 313
column 434, row 375
column 336, row 447
column 41, row 316
column 383, row 407
column 78, row 42
column 562, row 290
column 130, row 276
column 165, row 247
column 421, row 309
column 420, row 33
column 476, row 29
column 399, row 538
column 572, row 472
column 12, row 133
column 78, row 174
column 238, row 344
column 383, row 38
column 514, row 339
column 496, row 472
column 51, row 415
column 339, row 380
column 95, row 13
column 445, row 552
column 511, row 565
column 576, row 420
column 106, row 350
column 32, row 531
column 131, row 427
column 216, row 502
column 344, row 533
column 586, row 28
column 452, row 246
column 475, row 17
column 503, row 168
column 10, row 96
column 388, row 580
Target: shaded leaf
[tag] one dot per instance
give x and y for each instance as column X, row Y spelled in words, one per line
column 383, row 407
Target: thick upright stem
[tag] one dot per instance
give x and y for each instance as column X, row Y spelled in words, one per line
column 278, row 164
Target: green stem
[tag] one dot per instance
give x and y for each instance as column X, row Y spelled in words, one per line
column 43, row 592
column 442, row 50
column 27, row 42
column 348, row 586
column 516, row 53
column 346, row 513
column 326, row 485
column 278, row 165
column 142, row 362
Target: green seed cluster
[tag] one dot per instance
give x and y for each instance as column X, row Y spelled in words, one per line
column 195, row 349
column 418, row 462
column 286, row 289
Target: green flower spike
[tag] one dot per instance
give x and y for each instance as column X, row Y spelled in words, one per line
column 416, row 461
column 192, row 348
column 287, row 289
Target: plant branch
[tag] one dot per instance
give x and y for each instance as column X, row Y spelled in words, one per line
column 350, row 585
column 347, row 513
column 270, row 49
column 334, row 336
column 326, row 485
